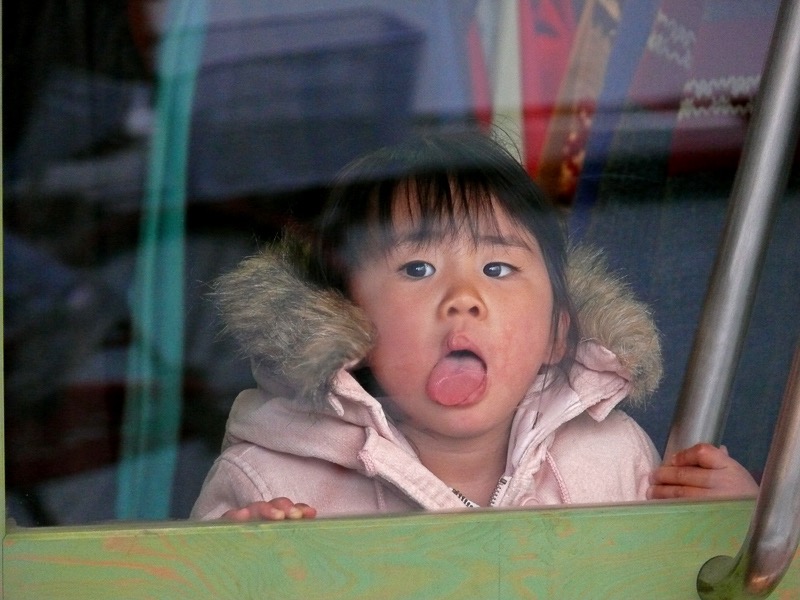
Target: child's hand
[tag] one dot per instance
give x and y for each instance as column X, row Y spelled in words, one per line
column 702, row 471
column 277, row 509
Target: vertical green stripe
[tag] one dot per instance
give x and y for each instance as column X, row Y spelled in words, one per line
column 152, row 416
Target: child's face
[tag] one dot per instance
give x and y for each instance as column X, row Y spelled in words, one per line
column 463, row 328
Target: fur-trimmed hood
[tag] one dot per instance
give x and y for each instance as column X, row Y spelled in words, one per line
column 299, row 337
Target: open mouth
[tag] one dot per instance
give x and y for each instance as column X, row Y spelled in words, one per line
column 464, row 354
column 457, row 378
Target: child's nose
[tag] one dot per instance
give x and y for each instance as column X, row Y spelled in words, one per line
column 463, row 299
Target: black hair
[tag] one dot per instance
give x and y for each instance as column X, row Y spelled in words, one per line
column 451, row 179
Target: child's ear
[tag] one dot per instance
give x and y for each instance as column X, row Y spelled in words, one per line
column 559, row 347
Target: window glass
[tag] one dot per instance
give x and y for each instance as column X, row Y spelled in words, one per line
column 150, row 145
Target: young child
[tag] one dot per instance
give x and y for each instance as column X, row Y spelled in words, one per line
column 440, row 348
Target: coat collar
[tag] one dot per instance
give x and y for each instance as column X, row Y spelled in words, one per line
column 353, row 430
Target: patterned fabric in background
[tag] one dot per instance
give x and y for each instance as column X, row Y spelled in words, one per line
column 658, row 207
column 540, row 71
column 564, row 148
column 732, row 39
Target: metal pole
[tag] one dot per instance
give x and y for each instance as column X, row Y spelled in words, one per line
column 760, row 182
column 774, row 531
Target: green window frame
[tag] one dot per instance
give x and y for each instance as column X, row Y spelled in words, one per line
column 639, row 551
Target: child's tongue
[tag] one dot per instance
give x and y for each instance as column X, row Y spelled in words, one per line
column 454, row 378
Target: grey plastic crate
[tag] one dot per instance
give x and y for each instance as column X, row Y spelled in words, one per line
column 285, row 103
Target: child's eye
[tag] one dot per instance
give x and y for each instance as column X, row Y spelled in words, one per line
column 498, row 269
column 418, row 269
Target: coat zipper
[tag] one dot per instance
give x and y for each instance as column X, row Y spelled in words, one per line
column 496, row 494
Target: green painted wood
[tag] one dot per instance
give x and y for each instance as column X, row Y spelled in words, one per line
column 2, row 408
column 637, row 551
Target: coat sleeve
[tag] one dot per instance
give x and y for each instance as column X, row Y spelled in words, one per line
column 603, row 462
column 231, row 483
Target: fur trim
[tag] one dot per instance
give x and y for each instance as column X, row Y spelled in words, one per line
column 609, row 313
column 289, row 328
column 303, row 335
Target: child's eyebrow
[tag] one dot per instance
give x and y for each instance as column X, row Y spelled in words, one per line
column 513, row 241
column 420, row 237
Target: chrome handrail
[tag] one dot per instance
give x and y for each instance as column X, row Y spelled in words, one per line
column 760, row 182
column 767, row 155
column 774, row 531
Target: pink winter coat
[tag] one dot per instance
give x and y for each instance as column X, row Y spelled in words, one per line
column 311, row 433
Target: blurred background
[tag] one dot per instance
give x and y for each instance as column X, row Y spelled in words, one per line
column 149, row 145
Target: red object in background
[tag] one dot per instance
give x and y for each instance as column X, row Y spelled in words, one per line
column 479, row 77
column 546, row 32
column 144, row 30
column 547, row 29
column 78, row 433
column 718, row 94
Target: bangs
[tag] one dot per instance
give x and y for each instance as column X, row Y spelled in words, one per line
column 444, row 186
column 438, row 206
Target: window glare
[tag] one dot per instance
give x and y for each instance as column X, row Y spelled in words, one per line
column 149, row 148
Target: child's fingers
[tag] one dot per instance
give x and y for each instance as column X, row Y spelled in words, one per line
column 292, row 510
column 701, row 471
column 695, row 482
column 667, row 492
column 693, row 477
column 701, row 455
column 283, row 504
column 257, row 511
column 277, row 509
column 306, row 511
